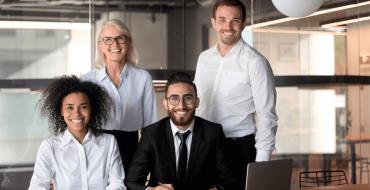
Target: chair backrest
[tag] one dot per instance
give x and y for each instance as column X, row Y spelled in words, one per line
column 322, row 178
column 15, row 180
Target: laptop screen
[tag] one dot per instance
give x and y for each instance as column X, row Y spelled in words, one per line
column 275, row 174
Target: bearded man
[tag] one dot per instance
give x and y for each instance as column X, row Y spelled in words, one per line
column 182, row 151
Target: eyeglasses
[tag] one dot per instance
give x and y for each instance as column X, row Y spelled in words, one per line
column 122, row 39
column 175, row 99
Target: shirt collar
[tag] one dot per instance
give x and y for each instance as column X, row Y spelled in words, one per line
column 69, row 138
column 102, row 73
column 175, row 129
column 235, row 49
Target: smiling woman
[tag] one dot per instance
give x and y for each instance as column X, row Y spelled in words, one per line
column 131, row 89
column 69, row 95
column 76, row 111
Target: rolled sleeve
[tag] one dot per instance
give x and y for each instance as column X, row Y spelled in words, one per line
column 264, row 97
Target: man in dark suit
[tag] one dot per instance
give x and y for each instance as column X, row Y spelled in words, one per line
column 182, row 151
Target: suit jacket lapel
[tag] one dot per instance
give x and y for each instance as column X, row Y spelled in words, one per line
column 195, row 144
column 170, row 142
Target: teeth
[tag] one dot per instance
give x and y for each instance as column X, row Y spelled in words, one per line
column 115, row 50
column 76, row 120
column 181, row 112
column 228, row 33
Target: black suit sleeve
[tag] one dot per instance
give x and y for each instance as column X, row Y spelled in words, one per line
column 225, row 175
column 140, row 165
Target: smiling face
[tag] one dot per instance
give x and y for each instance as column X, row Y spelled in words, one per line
column 228, row 24
column 117, row 51
column 76, row 112
column 183, row 113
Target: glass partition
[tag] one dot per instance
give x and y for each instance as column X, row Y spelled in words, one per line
column 39, row 40
column 21, row 131
column 33, row 50
column 321, row 126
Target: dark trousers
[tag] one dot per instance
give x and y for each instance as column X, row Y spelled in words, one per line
column 127, row 143
column 240, row 152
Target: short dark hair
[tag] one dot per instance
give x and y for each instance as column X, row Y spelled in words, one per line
column 180, row 77
column 231, row 3
column 52, row 97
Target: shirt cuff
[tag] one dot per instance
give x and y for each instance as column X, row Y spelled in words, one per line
column 263, row 155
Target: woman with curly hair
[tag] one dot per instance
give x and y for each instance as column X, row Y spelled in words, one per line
column 78, row 155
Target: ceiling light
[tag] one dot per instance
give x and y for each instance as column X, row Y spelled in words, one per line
column 344, row 22
column 42, row 25
column 297, row 8
column 320, row 12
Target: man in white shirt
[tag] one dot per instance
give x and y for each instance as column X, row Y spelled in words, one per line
column 181, row 152
column 237, row 90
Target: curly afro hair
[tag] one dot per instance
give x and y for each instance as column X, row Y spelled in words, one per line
column 52, row 97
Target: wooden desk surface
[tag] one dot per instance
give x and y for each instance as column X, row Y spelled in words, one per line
column 358, row 138
column 341, row 187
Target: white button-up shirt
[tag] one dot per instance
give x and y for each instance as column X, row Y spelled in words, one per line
column 134, row 102
column 238, row 91
column 93, row 165
column 177, row 141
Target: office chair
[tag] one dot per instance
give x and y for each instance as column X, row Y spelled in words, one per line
column 364, row 168
column 322, row 178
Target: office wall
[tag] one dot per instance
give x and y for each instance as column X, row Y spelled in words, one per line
column 169, row 40
column 359, row 96
column 358, row 48
column 185, row 36
column 149, row 31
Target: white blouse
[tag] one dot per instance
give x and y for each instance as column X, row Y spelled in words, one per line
column 93, row 165
column 134, row 101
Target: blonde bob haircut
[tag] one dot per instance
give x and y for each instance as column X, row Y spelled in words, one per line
column 131, row 56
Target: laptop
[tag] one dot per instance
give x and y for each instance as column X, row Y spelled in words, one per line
column 269, row 175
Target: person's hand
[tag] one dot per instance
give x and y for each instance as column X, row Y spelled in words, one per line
column 163, row 187
column 213, row 188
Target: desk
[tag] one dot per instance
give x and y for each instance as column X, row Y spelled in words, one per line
column 352, row 140
column 341, row 187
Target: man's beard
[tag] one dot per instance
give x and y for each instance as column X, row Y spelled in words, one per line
column 182, row 121
column 230, row 40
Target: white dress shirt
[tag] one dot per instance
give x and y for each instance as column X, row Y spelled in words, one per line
column 134, row 102
column 177, row 141
column 238, row 91
column 93, row 165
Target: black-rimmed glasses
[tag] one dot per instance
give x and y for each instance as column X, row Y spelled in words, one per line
column 122, row 39
column 175, row 99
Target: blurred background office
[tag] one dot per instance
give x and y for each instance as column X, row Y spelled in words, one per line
column 321, row 63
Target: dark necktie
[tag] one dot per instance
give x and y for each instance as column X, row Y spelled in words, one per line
column 183, row 158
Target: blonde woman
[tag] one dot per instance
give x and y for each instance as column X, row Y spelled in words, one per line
column 131, row 89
